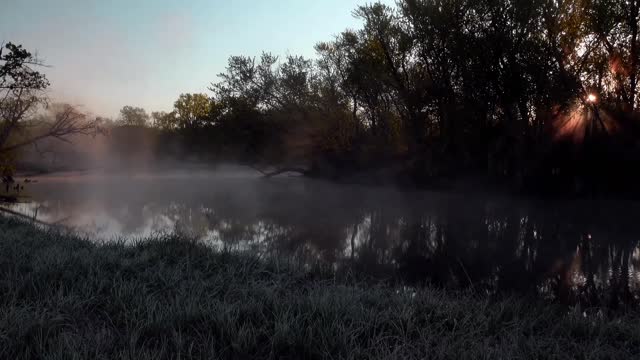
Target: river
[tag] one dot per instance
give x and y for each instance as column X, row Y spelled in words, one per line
column 583, row 251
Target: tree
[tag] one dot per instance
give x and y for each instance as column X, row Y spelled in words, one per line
column 192, row 110
column 164, row 120
column 133, row 116
column 22, row 97
column 438, row 88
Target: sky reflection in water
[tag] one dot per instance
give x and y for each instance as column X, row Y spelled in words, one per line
column 583, row 251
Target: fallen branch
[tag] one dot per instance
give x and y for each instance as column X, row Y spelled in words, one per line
column 268, row 174
column 25, row 217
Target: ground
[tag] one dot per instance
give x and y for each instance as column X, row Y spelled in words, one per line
column 63, row 297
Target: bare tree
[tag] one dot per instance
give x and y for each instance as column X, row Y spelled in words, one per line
column 63, row 122
column 22, row 97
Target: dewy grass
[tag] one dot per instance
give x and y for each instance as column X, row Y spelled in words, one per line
column 62, row 297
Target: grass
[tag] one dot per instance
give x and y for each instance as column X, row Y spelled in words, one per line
column 63, row 297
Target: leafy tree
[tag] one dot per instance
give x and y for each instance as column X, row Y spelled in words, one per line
column 192, row 110
column 133, row 116
column 164, row 120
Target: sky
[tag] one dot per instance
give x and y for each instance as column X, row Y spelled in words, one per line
column 104, row 54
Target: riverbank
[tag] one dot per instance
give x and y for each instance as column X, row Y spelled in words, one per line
column 66, row 297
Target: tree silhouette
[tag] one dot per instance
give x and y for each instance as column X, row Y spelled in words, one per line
column 529, row 94
column 22, row 96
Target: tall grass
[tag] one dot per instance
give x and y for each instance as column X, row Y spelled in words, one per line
column 63, row 297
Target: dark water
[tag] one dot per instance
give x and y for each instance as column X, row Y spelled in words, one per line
column 578, row 251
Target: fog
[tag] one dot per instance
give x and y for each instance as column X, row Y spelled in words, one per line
column 132, row 183
column 116, row 150
column 564, row 250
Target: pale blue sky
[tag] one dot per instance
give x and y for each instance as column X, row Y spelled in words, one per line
column 109, row 53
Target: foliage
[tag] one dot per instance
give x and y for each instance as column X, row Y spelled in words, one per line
column 133, row 116
column 164, row 120
column 192, row 110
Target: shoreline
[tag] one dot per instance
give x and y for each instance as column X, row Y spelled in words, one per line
column 198, row 171
column 469, row 185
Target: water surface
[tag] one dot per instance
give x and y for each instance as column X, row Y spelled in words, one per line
column 565, row 251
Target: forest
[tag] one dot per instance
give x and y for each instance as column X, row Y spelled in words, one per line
column 535, row 95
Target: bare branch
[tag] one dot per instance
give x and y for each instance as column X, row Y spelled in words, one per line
column 269, row 174
column 66, row 122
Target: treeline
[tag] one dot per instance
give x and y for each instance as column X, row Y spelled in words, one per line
column 535, row 93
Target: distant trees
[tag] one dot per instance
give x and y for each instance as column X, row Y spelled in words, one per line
column 164, row 120
column 192, row 110
column 133, row 116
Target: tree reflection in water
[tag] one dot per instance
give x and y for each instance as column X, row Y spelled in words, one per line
column 565, row 251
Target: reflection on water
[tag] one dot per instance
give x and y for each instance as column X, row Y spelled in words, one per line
column 583, row 251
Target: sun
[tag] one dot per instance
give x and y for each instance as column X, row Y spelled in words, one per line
column 592, row 98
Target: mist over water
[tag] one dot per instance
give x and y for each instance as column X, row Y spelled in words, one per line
column 566, row 251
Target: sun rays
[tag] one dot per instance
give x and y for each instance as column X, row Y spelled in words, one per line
column 583, row 120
